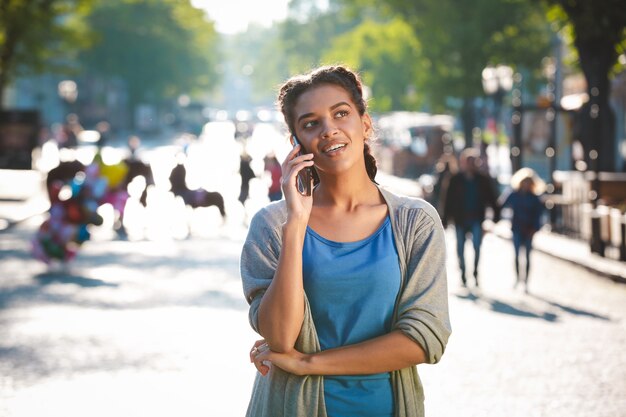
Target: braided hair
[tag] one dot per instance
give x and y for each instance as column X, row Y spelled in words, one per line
column 341, row 76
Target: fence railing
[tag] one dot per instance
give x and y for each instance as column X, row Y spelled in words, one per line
column 591, row 208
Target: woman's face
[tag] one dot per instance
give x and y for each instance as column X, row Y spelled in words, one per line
column 527, row 184
column 328, row 124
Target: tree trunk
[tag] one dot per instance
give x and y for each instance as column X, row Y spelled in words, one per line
column 597, row 118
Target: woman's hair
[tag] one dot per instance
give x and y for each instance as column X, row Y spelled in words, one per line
column 341, row 76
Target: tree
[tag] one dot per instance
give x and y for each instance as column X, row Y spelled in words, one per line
column 39, row 35
column 294, row 45
column 255, row 53
column 459, row 38
column 599, row 35
column 388, row 55
column 305, row 40
column 160, row 48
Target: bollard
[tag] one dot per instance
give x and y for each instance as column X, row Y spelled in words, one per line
column 596, row 243
column 622, row 246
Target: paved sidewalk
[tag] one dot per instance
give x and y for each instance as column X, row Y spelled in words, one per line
column 571, row 250
column 22, row 196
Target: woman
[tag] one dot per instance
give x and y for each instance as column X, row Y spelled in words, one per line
column 527, row 209
column 346, row 286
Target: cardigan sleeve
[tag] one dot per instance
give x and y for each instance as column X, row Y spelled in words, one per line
column 422, row 311
column 259, row 260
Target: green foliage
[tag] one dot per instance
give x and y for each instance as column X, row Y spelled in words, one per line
column 257, row 50
column 40, row 35
column 385, row 52
column 593, row 21
column 304, row 41
column 459, row 38
column 161, row 48
column 387, row 55
column 292, row 46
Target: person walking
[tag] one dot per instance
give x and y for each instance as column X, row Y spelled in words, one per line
column 470, row 192
column 346, row 286
column 272, row 166
column 247, row 174
column 445, row 167
column 527, row 208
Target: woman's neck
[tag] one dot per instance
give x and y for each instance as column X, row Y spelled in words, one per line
column 346, row 192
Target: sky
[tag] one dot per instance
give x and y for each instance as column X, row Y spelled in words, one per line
column 232, row 16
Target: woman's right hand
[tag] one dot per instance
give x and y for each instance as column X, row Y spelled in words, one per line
column 298, row 205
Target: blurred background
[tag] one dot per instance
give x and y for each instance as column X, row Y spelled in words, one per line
column 138, row 138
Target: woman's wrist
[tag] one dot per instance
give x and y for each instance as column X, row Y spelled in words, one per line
column 307, row 364
column 294, row 227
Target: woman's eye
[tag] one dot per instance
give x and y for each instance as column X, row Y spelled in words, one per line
column 309, row 124
column 341, row 113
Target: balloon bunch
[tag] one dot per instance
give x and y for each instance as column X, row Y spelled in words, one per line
column 73, row 206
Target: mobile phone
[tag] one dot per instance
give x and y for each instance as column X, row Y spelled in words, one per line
column 303, row 181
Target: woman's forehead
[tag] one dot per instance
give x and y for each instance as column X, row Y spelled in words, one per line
column 320, row 98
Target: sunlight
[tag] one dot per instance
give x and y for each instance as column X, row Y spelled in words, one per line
column 234, row 16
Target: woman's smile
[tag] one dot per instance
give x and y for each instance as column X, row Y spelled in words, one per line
column 334, row 149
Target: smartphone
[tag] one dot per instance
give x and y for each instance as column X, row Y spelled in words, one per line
column 303, row 181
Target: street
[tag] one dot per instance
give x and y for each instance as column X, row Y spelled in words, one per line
column 157, row 325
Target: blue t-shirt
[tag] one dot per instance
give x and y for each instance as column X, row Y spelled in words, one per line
column 352, row 289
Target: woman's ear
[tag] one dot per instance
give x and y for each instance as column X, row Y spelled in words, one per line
column 367, row 126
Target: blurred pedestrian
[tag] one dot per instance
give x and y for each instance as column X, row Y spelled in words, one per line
column 527, row 209
column 138, row 168
column 104, row 129
column 347, row 285
column 273, row 167
column 70, row 131
column 134, row 143
column 246, row 173
column 469, row 194
column 446, row 167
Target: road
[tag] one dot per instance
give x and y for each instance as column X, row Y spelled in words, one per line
column 157, row 325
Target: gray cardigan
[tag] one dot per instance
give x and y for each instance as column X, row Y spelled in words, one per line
column 421, row 310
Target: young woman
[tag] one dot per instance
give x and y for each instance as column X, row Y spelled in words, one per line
column 346, row 286
column 527, row 209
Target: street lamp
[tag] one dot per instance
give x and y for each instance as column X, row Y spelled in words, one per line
column 497, row 81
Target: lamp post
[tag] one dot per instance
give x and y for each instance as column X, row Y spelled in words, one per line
column 497, row 81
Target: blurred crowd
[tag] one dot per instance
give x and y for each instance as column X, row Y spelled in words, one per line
column 466, row 195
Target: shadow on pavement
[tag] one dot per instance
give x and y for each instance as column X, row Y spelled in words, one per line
column 47, row 278
column 143, row 261
column 37, row 293
column 30, row 363
column 571, row 310
column 505, row 308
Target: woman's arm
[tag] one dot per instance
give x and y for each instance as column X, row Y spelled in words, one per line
column 282, row 308
column 386, row 353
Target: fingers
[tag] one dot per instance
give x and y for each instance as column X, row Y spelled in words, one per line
column 254, row 349
column 293, row 159
column 259, row 356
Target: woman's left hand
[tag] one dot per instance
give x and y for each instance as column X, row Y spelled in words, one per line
column 263, row 358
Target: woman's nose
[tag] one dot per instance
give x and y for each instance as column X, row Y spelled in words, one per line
column 328, row 128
